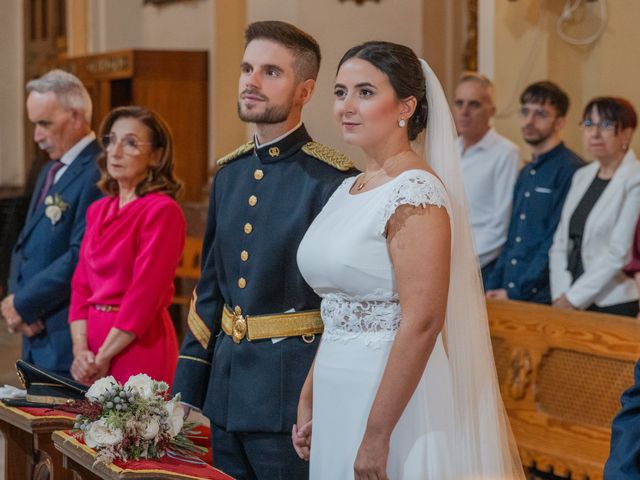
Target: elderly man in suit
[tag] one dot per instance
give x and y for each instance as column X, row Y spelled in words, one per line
column 45, row 255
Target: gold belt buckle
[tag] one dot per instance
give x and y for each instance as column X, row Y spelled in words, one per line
column 239, row 328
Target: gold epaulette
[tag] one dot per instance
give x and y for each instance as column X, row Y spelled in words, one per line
column 238, row 152
column 328, row 155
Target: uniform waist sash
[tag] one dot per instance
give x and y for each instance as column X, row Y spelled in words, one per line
column 259, row 327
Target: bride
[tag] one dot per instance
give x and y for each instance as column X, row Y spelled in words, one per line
column 403, row 385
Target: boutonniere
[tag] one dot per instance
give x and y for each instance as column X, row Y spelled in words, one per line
column 55, row 207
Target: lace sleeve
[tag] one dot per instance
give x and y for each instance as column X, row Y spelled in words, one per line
column 419, row 188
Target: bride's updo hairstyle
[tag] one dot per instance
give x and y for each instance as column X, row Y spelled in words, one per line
column 405, row 74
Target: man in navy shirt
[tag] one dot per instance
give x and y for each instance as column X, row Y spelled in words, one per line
column 522, row 270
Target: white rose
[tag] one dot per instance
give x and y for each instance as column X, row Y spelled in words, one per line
column 101, row 387
column 53, row 213
column 142, row 384
column 150, row 430
column 99, row 434
column 175, row 417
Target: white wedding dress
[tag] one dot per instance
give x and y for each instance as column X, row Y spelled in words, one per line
column 344, row 258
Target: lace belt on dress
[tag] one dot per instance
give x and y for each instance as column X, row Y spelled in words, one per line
column 347, row 318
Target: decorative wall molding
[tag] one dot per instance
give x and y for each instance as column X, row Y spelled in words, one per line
column 471, row 48
column 358, row 2
column 161, row 2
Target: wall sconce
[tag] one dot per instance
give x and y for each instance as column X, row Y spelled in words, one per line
column 359, row 2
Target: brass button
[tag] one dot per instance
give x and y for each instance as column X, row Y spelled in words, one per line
column 274, row 151
column 237, row 310
column 253, row 200
column 258, row 174
column 242, row 282
column 248, row 228
column 244, row 255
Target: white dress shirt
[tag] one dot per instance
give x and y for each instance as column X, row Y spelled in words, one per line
column 489, row 172
column 277, row 139
column 71, row 154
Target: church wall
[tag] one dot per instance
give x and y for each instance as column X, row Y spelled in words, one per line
column 125, row 24
column 196, row 24
column 524, row 53
column 337, row 26
column 11, row 94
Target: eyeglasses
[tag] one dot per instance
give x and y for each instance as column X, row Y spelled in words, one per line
column 538, row 113
column 603, row 125
column 130, row 145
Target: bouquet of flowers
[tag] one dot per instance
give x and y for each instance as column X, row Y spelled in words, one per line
column 133, row 421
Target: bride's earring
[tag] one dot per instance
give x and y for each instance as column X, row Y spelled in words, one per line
column 402, row 123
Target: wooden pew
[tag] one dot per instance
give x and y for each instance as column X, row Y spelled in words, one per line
column 188, row 269
column 80, row 461
column 29, row 452
column 187, row 275
column 561, row 375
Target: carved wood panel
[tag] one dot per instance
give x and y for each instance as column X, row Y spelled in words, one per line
column 561, row 375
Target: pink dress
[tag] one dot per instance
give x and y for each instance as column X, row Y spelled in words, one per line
column 128, row 259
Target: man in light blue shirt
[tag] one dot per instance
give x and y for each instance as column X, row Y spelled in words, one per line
column 489, row 164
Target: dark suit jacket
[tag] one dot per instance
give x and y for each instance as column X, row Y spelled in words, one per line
column 44, row 258
column 624, row 457
column 254, row 386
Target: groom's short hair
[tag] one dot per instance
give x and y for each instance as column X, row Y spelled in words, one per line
column 305, row 49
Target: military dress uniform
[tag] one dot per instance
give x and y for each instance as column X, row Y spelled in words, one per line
column 246, row 381
column 522, row 268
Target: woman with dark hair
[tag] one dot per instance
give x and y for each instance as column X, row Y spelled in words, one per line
column 391, row 254
column 123, row 283
column 593, row 240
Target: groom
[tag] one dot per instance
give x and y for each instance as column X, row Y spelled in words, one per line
column 254, row 323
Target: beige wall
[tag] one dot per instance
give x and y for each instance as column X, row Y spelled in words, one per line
column 121, row 24
column 527, row 48
column 338, row 26
column 11, row 94
column 124, row 24
column 197, row 24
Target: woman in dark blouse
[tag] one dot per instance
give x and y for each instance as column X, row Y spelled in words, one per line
column 594, row 236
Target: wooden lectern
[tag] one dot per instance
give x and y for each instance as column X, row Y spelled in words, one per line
column 29, row 452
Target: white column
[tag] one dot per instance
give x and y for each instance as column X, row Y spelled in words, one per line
column 486, row 50
column 12, row 98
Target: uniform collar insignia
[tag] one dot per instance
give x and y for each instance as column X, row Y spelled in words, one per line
column 285, row 147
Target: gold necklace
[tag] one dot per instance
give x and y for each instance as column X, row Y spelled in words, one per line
column 362, row 184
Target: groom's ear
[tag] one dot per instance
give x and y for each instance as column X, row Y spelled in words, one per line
column 305, row 90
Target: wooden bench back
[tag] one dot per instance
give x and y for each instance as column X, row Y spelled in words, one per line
column 561, row 374
column 188, row 268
